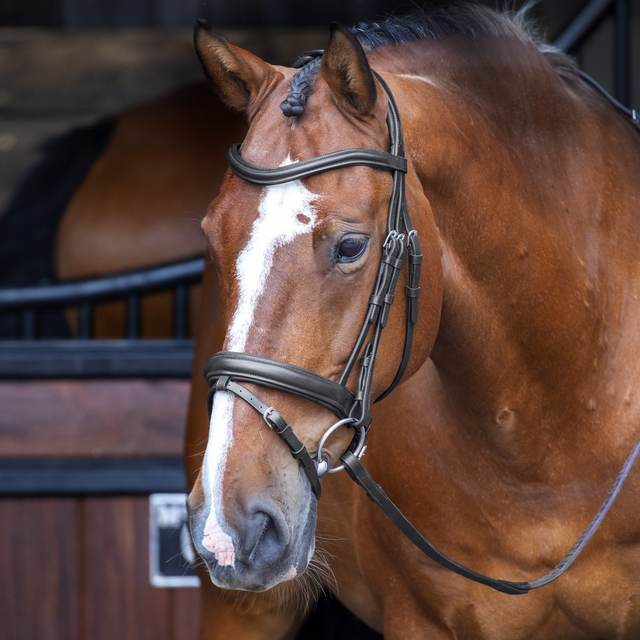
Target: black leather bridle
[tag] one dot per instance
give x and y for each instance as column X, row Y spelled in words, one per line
column 225, row 369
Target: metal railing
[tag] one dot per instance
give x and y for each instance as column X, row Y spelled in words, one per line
column 587, row 21
column 132, row 356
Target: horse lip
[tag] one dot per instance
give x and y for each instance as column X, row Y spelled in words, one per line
column 242, row 579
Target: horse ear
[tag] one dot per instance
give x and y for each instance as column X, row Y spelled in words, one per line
column 346, row 70
column 235, row 74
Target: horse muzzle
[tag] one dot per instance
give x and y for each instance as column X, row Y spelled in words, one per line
column 259, row 550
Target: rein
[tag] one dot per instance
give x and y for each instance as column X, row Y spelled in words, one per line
column 225, row 369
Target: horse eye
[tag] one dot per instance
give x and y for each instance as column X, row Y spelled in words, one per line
column 351, row 248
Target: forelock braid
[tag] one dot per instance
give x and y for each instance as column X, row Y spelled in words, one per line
column 301, row 85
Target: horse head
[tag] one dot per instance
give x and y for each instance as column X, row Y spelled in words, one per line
column 297, row 263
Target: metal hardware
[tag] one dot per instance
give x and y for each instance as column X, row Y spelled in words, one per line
column 322, row 464
column 392, row 235
column 267, row 419
column 34, row 355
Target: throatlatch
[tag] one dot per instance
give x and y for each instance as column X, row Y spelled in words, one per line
column 225, row 369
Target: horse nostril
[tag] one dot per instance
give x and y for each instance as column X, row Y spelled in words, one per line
column 266, row 525
column 266, row 537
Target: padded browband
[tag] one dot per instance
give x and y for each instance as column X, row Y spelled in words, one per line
column 282, row 376
column 305, row 168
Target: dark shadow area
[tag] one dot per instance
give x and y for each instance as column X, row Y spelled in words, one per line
column 28, row 227
column 331, row 620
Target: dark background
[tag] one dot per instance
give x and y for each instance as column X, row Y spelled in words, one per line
column 75, row 14
column 69, row 62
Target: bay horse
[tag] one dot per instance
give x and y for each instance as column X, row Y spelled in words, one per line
column 142, row 201
column 520, row 399
column 124, row 193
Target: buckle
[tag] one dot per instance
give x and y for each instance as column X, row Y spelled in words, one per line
column 391, row 237
column 270, row 423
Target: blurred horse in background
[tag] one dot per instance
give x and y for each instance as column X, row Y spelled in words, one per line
column 125, row 193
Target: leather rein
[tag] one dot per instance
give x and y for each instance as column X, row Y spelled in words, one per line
column 225, row 369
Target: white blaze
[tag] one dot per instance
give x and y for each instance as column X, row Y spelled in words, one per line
column 284, row 212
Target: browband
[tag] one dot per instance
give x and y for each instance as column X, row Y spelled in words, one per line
column 305, row 168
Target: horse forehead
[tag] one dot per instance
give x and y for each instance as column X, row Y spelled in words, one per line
column 322, row 128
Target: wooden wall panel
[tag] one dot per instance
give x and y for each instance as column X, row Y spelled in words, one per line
column 39, row 569
column 186, row 612
column 117, row 600
column 78, row 569
column 67, row 418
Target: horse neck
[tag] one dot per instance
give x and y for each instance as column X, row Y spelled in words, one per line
column 518, row 198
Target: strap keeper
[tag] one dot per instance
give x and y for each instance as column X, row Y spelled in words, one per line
column 396, row 263
column 221, row 383
column 412, row 292
column 415, row 258
column 286, row 434
column 299, row 453
column 375, row 304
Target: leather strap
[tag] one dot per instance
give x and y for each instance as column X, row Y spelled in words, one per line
column 276, row 423
column 361, row 477
column 305, row 168
column 282, row 376
column 632, row 114
column 412, row 291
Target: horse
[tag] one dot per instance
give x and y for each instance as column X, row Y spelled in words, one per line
column 142, row 201
column 518, row 400
column 121, row 194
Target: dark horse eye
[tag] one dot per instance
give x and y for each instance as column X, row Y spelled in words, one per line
column 351, row 248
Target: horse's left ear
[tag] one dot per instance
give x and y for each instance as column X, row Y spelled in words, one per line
column 346, row 70
column 237, row 75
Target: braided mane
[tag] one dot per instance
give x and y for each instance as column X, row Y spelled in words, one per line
column 460, row 18
column 301, row 85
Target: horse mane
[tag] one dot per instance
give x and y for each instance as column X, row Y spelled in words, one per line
column 459, row 18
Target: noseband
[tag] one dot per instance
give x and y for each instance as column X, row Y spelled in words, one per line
column 226, row 368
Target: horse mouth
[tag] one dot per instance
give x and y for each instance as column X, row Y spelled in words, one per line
column 254, row 577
